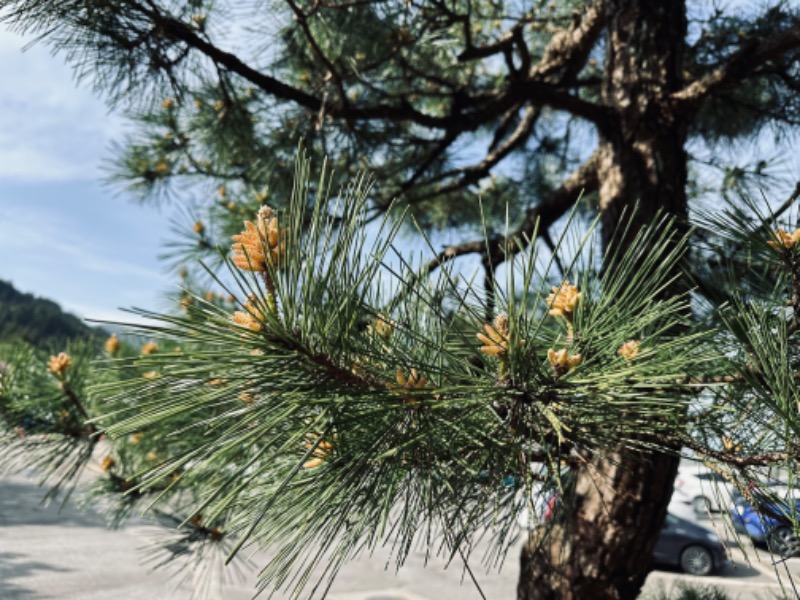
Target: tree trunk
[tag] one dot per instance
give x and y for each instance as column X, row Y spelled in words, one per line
column 602, row 548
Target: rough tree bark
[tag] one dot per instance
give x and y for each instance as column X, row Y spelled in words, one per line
column 602, row 547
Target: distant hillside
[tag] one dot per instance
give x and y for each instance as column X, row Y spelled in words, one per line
column 39, row 321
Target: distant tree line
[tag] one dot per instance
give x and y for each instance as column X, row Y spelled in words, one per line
column 38, row 321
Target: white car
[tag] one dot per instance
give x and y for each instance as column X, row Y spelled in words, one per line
column 705, row 489
column 680, row 505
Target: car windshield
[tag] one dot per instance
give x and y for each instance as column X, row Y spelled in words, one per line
column 771, row 504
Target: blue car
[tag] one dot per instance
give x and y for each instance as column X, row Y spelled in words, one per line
column 773, row 524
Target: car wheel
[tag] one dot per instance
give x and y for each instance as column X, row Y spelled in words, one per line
column 783, row 541
column 701, row 505
column 697, row 560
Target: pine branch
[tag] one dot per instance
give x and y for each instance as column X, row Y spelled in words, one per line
column 178, row 30
column 743, row 64
column 763, row 459
column 463, row 177
column 562, row 60
column 74, row 400
column 482, row 110
column 545, row 94
column 333, row 72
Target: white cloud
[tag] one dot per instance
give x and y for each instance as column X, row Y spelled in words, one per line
column 29, row 163
column 70, row 244
column 36, row 233
column 42, row 114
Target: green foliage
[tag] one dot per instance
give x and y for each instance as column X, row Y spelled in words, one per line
column 685, row 591
column 743, row 111
column 42, row 425
column 341, row 397
column 759, row 316
column 341, row 382
column 348, row 402
column 344, row 400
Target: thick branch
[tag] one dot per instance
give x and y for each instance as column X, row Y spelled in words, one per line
column 567, row 51
column 545, row 94
column 505, row 43
column 739, row 67
column 563, row 58
column 537, row 219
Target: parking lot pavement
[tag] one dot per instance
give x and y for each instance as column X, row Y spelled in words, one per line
column 47, row 554
column 70, row 555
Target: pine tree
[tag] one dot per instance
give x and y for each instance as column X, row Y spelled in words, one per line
column 630, row 103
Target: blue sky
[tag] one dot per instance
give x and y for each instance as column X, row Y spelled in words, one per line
column 64, row 235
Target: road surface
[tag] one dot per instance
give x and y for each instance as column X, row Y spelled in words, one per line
column 47, row 554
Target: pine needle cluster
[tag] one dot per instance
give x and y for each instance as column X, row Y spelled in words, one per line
column 345, row 405
column 342, row 397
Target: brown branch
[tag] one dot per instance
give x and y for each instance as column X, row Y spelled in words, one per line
column 440, row 148
column 546, row 94
column 582, row 180
column 471, row 174
column 465, row 176
column 177, row 30
column 302, row 19
column 78, row 406
column 519, row 135
column 543, row 215
column 569, row 54
column 505, row 43
column 567, row 51
column 762, row 459
column 544, row 84
column 503, row 127
column 562, row 60
column 737, row 68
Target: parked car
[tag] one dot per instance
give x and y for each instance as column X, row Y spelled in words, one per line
column 692, row 547
column 773, row 488
column 708, row 490
column 772, row 525
column 680, row 505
